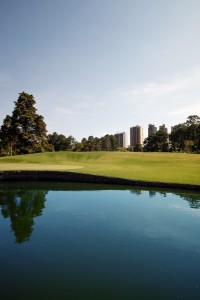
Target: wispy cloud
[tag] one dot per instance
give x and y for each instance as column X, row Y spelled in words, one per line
column 189, row 109
column 64, row 111
column 78, row 105
column 179, row 83
column 73, row 108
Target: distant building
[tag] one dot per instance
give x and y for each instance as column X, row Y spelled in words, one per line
column 136, row 136
column 122, row 139
column 152, row 129
column 163, row 128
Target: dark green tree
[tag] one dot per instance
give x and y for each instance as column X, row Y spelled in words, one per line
column 53, row 140
column 150, row 144
column 193, row 120
column 28, row 126
column 186, row 137
column 91, row 143
column 77, row 146
column 178, row 137
column 25, row 131
column 84, row 145
column 113, row 141
column 60, row 142
column 7, row 137
column 97, row 144
column 192, row 134
column 198, row 138
column 108, row 143
column 157, row 142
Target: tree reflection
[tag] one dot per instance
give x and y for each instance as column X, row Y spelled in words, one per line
column 192, row 198
column 22, row 206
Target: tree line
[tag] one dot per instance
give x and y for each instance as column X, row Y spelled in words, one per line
column 25, row 132
column 185, row 137
column 62, row 143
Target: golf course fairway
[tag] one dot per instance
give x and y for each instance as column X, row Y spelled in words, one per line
column 181, row 168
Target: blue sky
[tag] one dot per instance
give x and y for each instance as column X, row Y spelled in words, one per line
column 101, row 66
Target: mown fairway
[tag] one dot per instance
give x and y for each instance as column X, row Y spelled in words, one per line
column 163, row 167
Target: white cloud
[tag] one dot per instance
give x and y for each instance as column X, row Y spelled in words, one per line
column 73, row 108
column 189, row 109
column 189, row 79
column 64, row 111
column 68, row 103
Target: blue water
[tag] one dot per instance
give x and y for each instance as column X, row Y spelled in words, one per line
column 94, row 242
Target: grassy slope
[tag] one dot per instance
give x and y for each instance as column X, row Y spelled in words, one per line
column 163, row 167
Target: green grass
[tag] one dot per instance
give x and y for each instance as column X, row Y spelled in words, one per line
column 162, row 167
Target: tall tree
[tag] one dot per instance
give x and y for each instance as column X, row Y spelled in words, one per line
column 27, row 129
column 7, row 138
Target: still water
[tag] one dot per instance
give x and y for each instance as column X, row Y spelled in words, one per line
column 70, row 241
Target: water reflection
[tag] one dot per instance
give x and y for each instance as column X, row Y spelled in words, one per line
column 192, row 198
column 22, row 206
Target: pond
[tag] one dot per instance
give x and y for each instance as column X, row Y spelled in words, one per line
column 79, row 241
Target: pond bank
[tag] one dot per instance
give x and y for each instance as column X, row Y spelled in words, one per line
column 6, row 176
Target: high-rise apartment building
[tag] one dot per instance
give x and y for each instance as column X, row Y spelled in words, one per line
column 163, row 128
column 152, row 129
column 136, row 136
column 122, row 139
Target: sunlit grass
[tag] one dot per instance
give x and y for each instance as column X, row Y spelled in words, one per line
column 162, row 167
